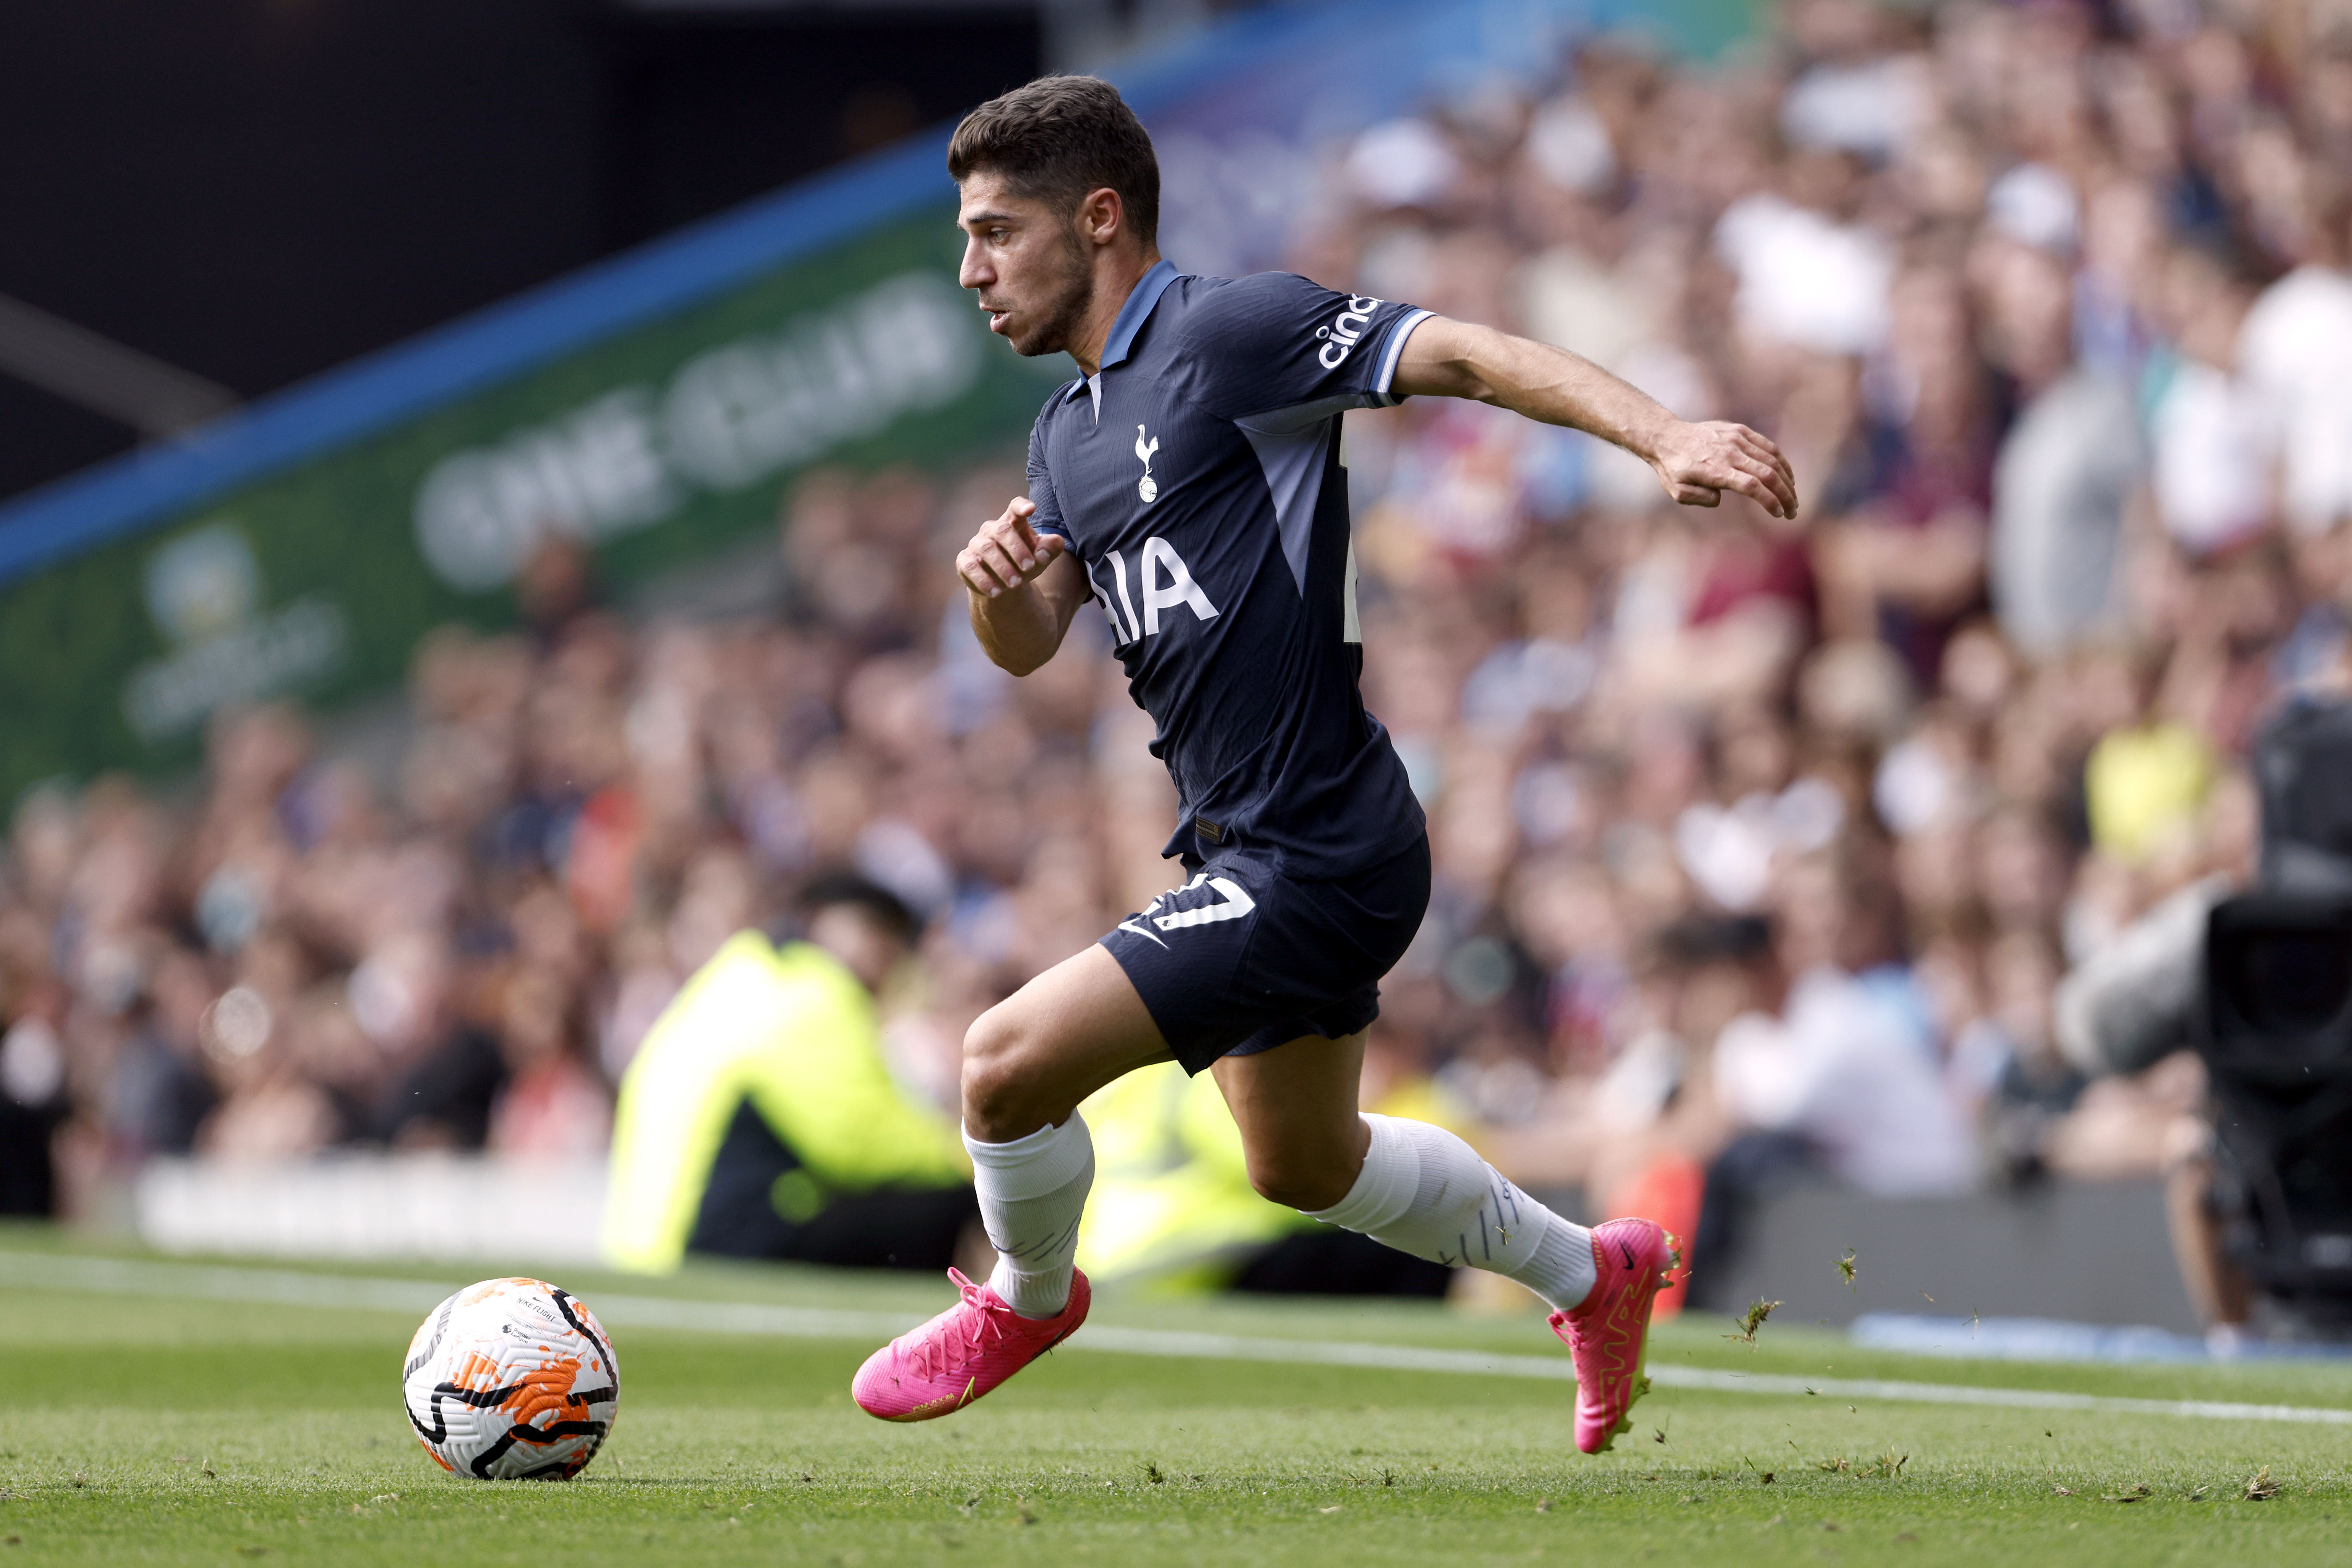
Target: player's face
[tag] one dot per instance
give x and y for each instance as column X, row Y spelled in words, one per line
column 1028, row 264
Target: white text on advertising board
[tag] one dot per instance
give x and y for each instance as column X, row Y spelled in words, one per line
column 730, row 416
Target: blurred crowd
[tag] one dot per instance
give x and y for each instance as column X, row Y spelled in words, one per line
column 1757, row 844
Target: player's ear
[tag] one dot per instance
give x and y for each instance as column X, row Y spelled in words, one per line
column 1101, row 215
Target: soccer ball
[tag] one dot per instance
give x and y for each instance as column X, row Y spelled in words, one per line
column 512, row 1378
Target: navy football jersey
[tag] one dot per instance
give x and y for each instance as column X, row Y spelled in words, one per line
column 1198, row 480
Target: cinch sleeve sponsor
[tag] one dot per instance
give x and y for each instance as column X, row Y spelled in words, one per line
column 1276, row 342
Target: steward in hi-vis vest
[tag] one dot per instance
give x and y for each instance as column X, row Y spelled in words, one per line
column 759, row 1120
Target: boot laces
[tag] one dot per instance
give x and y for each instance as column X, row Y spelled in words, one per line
column 970, row 1329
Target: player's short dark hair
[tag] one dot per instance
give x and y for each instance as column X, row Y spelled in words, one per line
column 1058, row 138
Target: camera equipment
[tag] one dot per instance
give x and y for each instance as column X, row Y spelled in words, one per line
column 2277, row 1044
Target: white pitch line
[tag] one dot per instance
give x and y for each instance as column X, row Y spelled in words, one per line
column 119, row 1277
column 1409, row 1358
column 210, row 1283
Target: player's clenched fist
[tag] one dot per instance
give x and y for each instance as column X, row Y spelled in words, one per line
column 1007, row 553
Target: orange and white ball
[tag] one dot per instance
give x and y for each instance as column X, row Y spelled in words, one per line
column 512, row 1378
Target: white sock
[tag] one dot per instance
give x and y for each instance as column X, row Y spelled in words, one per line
column 1426, row 1191
column 1032, row 1192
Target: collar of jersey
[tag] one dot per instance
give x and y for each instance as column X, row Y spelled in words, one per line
column 1133, row 314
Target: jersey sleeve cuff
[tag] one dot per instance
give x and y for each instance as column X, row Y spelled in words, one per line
column 1391, row 350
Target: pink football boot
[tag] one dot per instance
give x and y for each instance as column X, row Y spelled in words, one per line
column 961, row 1354
column 1607, row 1332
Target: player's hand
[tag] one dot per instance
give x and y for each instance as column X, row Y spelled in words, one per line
column 1007, row 553
column 1697, row 463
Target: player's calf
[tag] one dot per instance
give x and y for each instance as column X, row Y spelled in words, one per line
column 1422, row 1190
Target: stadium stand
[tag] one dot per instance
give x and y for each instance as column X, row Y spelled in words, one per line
column 2047, row 307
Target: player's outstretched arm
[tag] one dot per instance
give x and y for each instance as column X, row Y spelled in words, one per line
column 1696, row 462
column 1024, row 586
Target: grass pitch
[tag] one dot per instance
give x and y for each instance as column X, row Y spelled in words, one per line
column 158, row 1428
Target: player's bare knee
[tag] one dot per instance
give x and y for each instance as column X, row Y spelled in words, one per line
column 999, row 1091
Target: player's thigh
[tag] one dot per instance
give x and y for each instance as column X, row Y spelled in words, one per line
column 1028, row 1060
column 1296, row 1107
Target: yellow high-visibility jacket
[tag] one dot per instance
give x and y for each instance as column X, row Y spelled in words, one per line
column 1172, row 1206
column 791, row 1029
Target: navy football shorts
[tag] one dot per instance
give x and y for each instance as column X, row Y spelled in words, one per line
column 1243, row 958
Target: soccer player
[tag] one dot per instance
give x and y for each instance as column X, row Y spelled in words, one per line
column 1189, row 484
